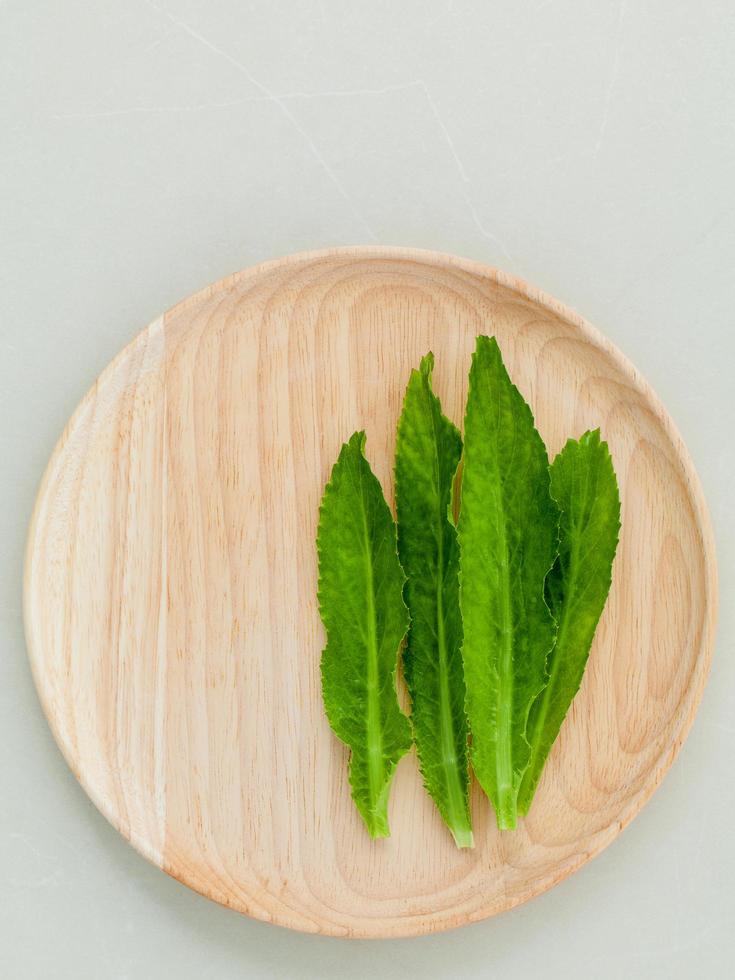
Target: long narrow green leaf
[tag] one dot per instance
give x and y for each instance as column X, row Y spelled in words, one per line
column 508, row 536
column 361, row 605
column 428, row 450
column 584, row 485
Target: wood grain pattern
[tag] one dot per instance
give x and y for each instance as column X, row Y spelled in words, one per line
column 171, row 576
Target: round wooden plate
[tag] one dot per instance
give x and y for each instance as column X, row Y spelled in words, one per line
column 171, row 577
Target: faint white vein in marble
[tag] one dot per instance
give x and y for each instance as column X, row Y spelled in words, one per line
column 231, row 103
column 267, row 95
column 159, row 109
column 353, row 92
column 136, row 53
column 485, row 232
column 272, row 97
column 445, row 133
column 612, row 80
column 158, row 42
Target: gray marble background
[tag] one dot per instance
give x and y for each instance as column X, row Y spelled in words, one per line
column 147, row 148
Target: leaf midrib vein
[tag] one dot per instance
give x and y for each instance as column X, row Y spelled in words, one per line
column 562, row 626
column 455, row 793
column 504, row 748
column 374, row 737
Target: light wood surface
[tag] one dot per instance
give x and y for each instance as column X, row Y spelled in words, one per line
column 171, row 576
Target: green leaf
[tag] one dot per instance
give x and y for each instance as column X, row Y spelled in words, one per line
column 428, row 450
column 362, row 608
column 508, row 535
column 584, row 485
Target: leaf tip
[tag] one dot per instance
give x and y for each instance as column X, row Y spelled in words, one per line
column 357, row 440
column 427, row 365
column 487, row 345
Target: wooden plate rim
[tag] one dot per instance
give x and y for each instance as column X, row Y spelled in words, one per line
column 390, row 926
